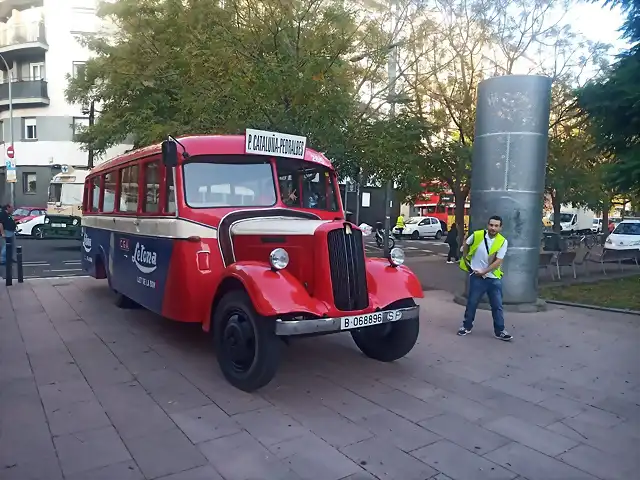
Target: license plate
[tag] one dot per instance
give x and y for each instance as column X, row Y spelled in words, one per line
column 369, row 319
column 59, row 225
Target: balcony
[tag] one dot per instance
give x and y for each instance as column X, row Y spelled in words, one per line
column 6, row 6
column 22, row 40
column 25, row 93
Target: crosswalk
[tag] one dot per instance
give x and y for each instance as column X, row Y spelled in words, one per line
column 412, row 248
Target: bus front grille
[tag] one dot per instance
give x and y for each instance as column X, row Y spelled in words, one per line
column 348, row 271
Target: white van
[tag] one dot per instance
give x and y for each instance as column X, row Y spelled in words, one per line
column 626, row 236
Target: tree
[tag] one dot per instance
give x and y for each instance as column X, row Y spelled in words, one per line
column 204, row 66
column 612, row 102
column 475, row 39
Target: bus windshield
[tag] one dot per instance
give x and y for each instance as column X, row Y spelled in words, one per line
column 241, row 181
column 228, row 182
column 65, row 193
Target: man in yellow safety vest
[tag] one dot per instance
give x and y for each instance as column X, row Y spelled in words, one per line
column 482, row 257
column 400, row 224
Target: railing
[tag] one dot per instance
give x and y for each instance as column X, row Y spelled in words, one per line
column 24, row 88
column 22, row 33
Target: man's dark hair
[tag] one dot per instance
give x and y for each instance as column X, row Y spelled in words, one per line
column 497, row 218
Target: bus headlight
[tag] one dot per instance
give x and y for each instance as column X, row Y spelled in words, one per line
column 279, row 259
column 396, row 257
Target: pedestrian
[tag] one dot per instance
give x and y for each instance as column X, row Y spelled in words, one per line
column 400, row 224
column 452, row 241
column 482, row 256
column 612, row 226
column 7, row 230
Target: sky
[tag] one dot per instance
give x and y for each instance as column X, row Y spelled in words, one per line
column 598, row 23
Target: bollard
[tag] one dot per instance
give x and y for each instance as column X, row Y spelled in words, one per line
column 9, row 265
column 19, row 260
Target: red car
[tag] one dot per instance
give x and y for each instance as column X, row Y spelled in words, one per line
column 24, row 214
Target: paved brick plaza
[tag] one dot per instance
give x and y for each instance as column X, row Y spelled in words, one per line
column 90, row 392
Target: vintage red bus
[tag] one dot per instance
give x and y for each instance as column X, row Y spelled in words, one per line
column 247, row 236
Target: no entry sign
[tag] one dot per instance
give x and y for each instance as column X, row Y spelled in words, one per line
column 10, row 152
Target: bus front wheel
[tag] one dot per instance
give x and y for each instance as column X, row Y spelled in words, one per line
column 247, row 347
column 388, row 342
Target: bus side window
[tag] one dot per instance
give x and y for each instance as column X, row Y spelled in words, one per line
column 109, row 192
column 170, row 192
column 151, row 193
column 129, row 189
column 95, row 194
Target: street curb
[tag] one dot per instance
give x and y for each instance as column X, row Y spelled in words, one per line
column 594, row 307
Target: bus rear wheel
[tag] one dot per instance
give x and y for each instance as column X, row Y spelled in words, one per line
column 247, row 347
column 388, row 342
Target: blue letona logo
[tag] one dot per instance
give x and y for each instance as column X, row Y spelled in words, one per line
column 145, row 260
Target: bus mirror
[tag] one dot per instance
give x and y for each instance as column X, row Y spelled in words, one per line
column 170, row 153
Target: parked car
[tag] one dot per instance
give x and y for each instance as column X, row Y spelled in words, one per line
column 24, row 214
column 626, row 236
column 32, row 227
column 418, row 227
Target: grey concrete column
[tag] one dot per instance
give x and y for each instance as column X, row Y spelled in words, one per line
column 508, row 172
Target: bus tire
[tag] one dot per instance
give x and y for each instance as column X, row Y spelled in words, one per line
column 124, row 302
column 388, row 342
column 247, row 347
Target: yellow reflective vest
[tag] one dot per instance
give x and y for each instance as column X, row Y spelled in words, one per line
column 400, row 222
column 478, row 239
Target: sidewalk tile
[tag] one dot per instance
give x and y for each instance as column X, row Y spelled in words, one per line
column 163, row 454
column 242, row 457
column 465, row 433
column 89, row 450
column 205, row 423
column 397, row 431
column 77, row 417
column 117, row 471
column 270, row 426
column 460, row 464
column 602, row 465
column 387, row 462
column 534, row 465
column 200, row 473
column 531, row 435
column 404, row 405
column 313, row 459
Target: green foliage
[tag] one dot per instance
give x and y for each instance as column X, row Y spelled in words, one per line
column 613, row 105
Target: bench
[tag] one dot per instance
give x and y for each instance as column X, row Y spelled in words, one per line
column 609, row 256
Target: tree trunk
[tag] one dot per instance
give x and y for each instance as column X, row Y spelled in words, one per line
column 556, row 203
column 460, row 197
column 605, row 216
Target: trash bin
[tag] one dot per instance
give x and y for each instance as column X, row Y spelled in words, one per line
column 553, row 242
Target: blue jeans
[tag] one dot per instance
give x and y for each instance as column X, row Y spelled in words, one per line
column 7, row 235
column 478, row 286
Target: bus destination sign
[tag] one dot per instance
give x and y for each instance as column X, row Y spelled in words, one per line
column 260, row 142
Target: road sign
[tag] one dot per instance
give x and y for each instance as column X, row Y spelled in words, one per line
column 10, row 163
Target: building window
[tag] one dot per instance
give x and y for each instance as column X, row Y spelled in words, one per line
column 79, row 124
column 37, row 71
column 109, row 199
column 129, row 189
column 152, row 187
column 30, row 130
column 170, row 192
column 78, row 69
column 29, row 183
column 95, row 194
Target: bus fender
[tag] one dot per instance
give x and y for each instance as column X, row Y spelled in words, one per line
column 389, row 284
column 273, row 292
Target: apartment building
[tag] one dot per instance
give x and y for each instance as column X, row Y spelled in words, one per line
column 39, row 46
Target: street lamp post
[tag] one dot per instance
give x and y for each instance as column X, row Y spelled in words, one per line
column 393, row 76
column 13, row 184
